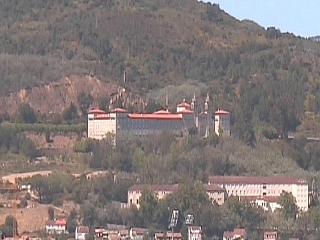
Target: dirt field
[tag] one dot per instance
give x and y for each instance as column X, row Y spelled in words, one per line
column 29, row 220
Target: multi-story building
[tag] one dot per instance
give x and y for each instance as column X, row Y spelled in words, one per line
column 194, row 233
column 160, row 191
column 215, row 193
column 246, row 187
column 119, row 121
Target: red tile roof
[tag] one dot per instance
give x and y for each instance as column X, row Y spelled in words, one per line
column 162, row 112
column 236, row 232
column 155, row 116
column 119, row 110
column 221, row 112
column 96, row 111
column 167, row 188
column 255, row 180
column 82, row 229
column 61, row 222
column 184, row 104
column 214, row 188
column 186, row 111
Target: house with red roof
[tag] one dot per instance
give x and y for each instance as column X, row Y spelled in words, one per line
column 81, row 232
column 57, row 226
column 236, row 234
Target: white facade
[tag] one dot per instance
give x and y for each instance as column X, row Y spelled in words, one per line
column 194, row 233
column 81, row 232
column 215, row 193
column 56, row 227
column 264, row 187
column 100, row 124
column 222, row 123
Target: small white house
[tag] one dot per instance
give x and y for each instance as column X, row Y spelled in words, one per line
column 57, row 227
column 81, row 232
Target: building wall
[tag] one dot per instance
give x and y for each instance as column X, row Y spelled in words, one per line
column 100, row 128
column 217, row 197
column 134, row 196
column 222, row 122
column 299, row 191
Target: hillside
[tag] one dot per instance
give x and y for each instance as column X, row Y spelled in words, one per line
column 185, row 46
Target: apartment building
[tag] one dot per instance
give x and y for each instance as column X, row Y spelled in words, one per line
column 215, row 193
column 264, row 187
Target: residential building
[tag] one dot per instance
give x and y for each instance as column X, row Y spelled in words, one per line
column 138, row 233
column 222, row 123
column 270, row 235
column 112, row 232
column 57, row 227
column 244, row 187
column 81, row 232
column 236, row 234
column 168, row 236
column 160, row 191
column 267, row 203
column 215, row 193
column 194, row 233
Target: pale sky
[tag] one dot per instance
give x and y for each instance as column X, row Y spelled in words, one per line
column 298, row 17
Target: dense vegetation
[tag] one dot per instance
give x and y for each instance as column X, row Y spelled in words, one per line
column 266, row 78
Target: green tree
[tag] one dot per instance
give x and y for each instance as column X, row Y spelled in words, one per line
column 85, row 101
column 10, row 226
column 26, row 114
column 288, row 203
column 72, row 221
column 51, row 213
column 148, row 206
column 70, row 114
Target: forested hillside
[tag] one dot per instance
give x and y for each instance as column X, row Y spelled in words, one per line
column 266, row 78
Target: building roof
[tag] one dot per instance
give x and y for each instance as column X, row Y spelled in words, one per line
column 241, row 232
column 139, row 231
column 167, row 188
column 96, row 111
column 214, row 188
column 82, row 229
column 184, row 104
column 119, row 110
column 155, row 116
column 168, row 235
column 221, row 112
column 60, row 222
column 186, row 111
column 255, row 180
column 162, row 112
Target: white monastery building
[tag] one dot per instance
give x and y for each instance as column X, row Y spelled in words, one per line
column 119, row 121
column 264, row 191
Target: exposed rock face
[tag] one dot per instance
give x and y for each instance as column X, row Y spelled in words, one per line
column 55, row 97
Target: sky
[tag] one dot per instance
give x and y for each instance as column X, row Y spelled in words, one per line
column 294, row 16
